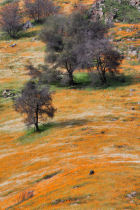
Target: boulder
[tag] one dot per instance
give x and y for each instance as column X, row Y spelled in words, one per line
column 8, row 93
column 27, row 25
column 131, row 195
column 91, row 172
column 13, row 45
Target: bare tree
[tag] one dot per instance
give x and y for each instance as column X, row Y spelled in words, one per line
column 35, row 103
column 99, row 54
column 11, row 19
column 108, row 61
column 39, row 9
column 66, row 37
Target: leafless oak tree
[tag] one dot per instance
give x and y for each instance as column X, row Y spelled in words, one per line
column 39, row 9
column 11, row 19
column 35, row 103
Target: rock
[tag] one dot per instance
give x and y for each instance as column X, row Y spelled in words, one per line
column 102, row 132
column 27, row 25
column 8, row 93
column 96, row 10
column 135, row 3
column 30, row 194
column 91, row 172
column 128, row 196
column 76, row 186
column 131, row 90
column 131, row 195
column 128, row 30
column 132, row 52
column 114, row 119
column 13, row 45
column 34, row 39
column 121, row 146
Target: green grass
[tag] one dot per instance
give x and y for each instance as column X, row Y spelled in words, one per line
column 77, row 200
column 82, row 81
column 82, row 78
column 31, row 136
column 131, row 14
column 23, row 34
column 48, row 176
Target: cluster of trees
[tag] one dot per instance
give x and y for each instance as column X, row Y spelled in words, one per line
column 11, row 16
column 77, row 42
column 72, row 42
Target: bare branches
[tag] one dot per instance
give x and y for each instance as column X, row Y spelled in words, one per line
column 39, row 9
column 11, row 19
column 35, row 103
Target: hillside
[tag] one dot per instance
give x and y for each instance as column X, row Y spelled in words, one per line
column 94, row 129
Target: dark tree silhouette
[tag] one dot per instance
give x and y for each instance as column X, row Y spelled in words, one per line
column 79, row 42
column 39, row 9
column 35, row 103
column 108, row 61
column 33, row 71
column 59, row 45
column 11, row 19
column 99, row 55
column 66, row 37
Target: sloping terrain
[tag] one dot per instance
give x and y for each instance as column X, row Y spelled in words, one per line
column 95, row 130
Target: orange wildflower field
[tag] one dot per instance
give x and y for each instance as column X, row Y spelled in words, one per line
column 93, row 129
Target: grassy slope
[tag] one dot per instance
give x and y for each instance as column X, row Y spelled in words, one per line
column 92, row 130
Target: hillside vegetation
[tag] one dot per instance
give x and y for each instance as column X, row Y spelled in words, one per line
column 88, row 155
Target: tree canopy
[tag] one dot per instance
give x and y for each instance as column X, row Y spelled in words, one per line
column 77, row 42
column 35, row 103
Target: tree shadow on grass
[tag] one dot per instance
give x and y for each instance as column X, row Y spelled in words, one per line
column 28, row 34
column 32, row 135
column 118, row 81
column 83, row 81
column 112, row 82
column 72, row 123
column 22, row 34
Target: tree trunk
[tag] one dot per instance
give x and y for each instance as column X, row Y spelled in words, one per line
column 70, row 72
column 71, row 81
column 36, row 120
column 36, row 127
column 101, row 72
column 104, row 77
